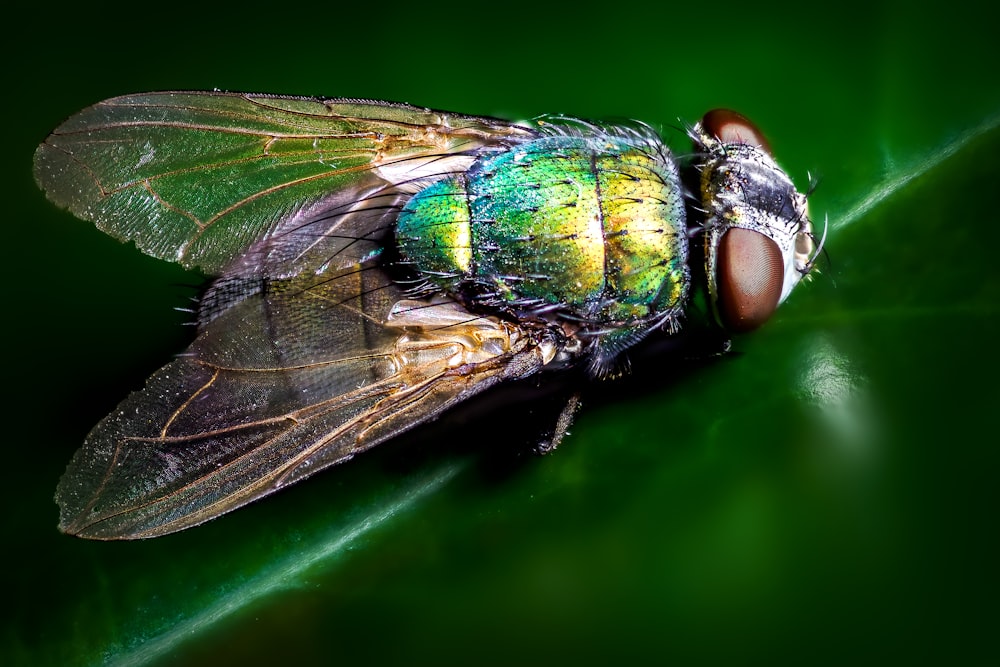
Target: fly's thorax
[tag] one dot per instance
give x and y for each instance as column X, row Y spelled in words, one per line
column 758, row 237
column 591, row 227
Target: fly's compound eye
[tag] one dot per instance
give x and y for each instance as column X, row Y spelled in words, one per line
column 730, row 127
column 757, row 234
column 751, row 273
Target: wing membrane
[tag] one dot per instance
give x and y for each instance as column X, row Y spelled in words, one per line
column 305, row 354
column 298, row 377
column 197, row 178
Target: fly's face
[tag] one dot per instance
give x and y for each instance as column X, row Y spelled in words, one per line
column 758, row 237
column 375, row 264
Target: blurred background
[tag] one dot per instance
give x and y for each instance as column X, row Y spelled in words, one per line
column 824, row 494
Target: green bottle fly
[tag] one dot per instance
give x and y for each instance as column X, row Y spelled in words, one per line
column 376, row 264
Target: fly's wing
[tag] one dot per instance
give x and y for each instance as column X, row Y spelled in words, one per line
column 200, row 177
column 307, row 352
column 295, row 378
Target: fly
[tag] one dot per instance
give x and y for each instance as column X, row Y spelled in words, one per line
column 375, row 264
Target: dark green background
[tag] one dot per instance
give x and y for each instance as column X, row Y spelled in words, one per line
column 825, row 495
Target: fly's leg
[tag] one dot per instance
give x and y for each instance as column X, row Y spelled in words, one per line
column 563, row 422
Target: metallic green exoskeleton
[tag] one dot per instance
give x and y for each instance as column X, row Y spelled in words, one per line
column 375, row 264
column 587, row 227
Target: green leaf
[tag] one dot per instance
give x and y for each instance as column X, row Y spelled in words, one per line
column 824, row 494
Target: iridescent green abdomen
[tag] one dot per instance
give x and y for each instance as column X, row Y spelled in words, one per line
column 590, row 227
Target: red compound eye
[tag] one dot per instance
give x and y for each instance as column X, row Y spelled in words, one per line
column 751, row 274
column 730, row 127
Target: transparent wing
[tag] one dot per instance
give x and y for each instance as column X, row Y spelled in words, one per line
column 307, row 351
column 297, row 377
column 199, row 177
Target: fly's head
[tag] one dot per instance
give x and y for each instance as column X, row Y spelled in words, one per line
column 758, row 237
